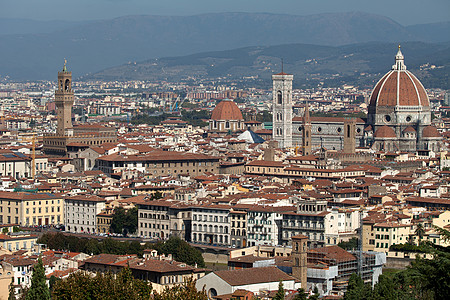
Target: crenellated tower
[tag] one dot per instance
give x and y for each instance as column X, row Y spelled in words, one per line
column 64, row 101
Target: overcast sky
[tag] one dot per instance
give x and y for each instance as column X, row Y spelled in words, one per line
column 406, row 12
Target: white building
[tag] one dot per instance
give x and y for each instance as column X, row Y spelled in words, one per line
column 211, row 225
column 264, row 224
column 81, row 213
column 255, row 280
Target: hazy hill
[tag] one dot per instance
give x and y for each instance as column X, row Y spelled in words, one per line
column 311, row 64
column 30, row 51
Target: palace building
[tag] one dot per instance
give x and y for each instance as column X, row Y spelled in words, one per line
column 70, row 138
column 399, row 118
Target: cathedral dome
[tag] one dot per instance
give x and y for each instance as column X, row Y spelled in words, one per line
column 385, row 132
column 226, row 110
column 430, row 132
column 399, row 87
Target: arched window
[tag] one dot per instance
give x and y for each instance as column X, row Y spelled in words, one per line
column 280, row 97
column 67, row 85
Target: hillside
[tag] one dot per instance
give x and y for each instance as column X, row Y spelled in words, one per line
column 30, row 50
column 311, row 64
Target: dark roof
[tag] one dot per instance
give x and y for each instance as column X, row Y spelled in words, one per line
column 253, row 275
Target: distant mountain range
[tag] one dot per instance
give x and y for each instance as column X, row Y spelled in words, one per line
column 360, row 64
column 36, row 50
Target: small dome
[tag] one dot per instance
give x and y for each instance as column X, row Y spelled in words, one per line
column 409, row 129
column 385, row 132
column 226, row 110
column 430, row 132
column 399, row 87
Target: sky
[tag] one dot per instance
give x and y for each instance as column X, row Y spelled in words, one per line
column 405, row 12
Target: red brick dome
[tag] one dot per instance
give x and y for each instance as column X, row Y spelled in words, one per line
column 399, row 87
column 226, row 110
column 430, row 132
column 385, row 132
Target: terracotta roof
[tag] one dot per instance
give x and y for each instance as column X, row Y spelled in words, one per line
column 161, row 266
column 253, row 276
column 409, row 129
column 226, row 110
column 335, row 252
column 430, row 131
column 385, row 132
column 399, row 87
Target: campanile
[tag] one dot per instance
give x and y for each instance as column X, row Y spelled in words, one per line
column 64, row 101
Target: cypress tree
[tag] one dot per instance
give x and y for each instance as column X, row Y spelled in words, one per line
column 280, row 294
column 39, row 289
column 12, row 292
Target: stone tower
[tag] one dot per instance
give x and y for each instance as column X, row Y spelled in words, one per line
column 349, row 135
column 282, row 109
column 299, row 257
column 64, row 101
column 306, row 133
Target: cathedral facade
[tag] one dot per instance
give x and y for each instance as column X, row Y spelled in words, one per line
column 399, row 118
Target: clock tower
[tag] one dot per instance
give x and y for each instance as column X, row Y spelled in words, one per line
column 64, row 101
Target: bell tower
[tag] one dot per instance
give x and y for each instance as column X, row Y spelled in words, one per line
column 299, row 257
column 349, row 135
column 306, row 133
column 64, row 101
column 282, row 109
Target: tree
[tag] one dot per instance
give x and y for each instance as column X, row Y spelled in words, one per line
column 280, row 293
column 356, row 289
column 301, row 294
column 385, row 288
column 420, row 231
column 52, row 281
column 124, row 221
column 180, row 250
column 315, row 295
column 350, row 244
column 182, row 292
column 12, row 290
column 118, row 220
column 80, row 285
column 39, row 289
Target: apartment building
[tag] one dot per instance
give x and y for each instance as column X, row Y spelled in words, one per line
column 238, row 225
column 160, row 163
column 264, row 224
column 81, row 213
column 380, row 236
column 211, row 225
column 154, row 219
column 31, row 208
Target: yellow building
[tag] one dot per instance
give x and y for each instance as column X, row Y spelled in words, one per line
column 6, row 276
column 386, row 234
column 104, row 220
column 17, row 242
column 28, row 209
